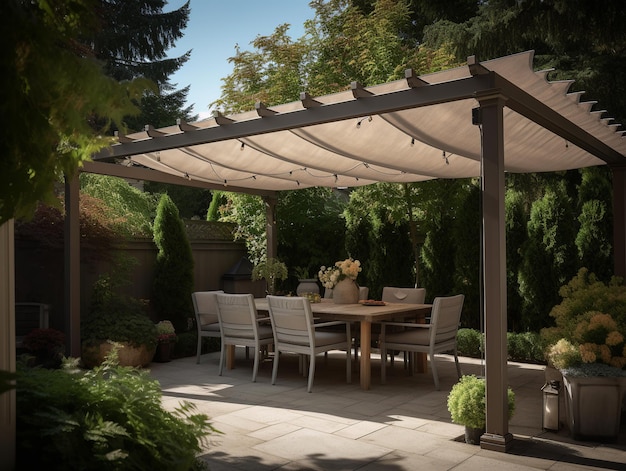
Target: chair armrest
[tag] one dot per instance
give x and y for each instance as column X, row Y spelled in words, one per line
column 407, row 324
column 327, row 324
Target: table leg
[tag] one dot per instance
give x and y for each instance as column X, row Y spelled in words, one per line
column 230, row 356
column 366, row 350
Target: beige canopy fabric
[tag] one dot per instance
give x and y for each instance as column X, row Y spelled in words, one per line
column 404, row 131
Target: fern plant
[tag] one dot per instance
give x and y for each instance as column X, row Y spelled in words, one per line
column 107, row 418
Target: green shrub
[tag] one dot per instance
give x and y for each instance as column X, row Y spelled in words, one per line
column 173, row 270
column 469, row 343
column 466, row 402
column 525, row 347
column 117, row 317
column 107, row 418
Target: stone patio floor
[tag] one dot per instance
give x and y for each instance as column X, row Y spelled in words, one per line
column 401, row 425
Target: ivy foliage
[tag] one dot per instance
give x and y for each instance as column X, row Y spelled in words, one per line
column 107, row 418
column 129, row 210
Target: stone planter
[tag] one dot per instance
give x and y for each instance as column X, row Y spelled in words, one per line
column 308, row 285
column 472, row 435
column 346, row 292
column 93, row 355
column 593, row 406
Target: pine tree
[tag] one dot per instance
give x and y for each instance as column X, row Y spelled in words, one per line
column 173, row 271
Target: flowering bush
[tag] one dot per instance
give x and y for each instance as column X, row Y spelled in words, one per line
column 348, row 268
column 165, row 331
column 590, row 326
column 45, row 342
column 596, row 339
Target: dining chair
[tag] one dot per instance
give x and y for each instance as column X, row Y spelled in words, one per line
column 393, row 294
column 241, row 325
column 438, row 336
column 295, row 332
column 206, row 317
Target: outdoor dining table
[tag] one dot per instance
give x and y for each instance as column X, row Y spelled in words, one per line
column 327, row 310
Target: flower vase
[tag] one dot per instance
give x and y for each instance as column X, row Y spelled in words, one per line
column 346, row 291
column 307, row 286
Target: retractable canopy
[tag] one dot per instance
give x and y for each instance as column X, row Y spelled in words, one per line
column 410, row 130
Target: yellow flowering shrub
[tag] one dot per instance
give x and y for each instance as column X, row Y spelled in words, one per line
column 590, row 324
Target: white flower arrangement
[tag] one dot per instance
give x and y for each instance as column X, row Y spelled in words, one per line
column 330, row 276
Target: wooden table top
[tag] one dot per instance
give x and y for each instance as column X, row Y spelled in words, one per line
column 359, row 312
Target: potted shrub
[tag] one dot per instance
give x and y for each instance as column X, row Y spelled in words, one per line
column 587, row 346
column 115, row 317
column 466, row 404
column 271, row 270
column 166, row 337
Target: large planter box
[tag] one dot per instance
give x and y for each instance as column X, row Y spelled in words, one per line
column 128, row 355
column 594, row 406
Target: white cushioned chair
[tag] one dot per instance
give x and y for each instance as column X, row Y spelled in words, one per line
column 295, row 332
column 438, row 336
column 206, row 316
column 241, row 325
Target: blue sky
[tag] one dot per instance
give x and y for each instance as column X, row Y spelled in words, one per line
column 213, row 30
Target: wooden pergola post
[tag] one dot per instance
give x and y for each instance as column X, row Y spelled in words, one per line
column 497, row 436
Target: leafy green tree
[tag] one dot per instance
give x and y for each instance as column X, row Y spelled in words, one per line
column 516, row 214
column 53, row 93
column 130, row 210
column 173, row 270
column 594, row 238
column 466, row 233
column 549, row 256
column 191, row 202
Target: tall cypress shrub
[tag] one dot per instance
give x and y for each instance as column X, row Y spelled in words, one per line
column 173, row 271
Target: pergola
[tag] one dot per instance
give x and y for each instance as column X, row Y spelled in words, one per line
column 481, row 120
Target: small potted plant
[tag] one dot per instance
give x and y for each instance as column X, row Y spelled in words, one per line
column 166, row 336
column 466, row 404
column 114, row 317
column 271, row 270
column 306, row 284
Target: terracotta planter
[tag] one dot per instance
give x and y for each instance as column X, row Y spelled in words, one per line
column 128, row 355
column 346, row 292
column 307, row 286
column 594, row 406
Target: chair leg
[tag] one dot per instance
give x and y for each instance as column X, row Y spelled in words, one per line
column 383, row 363
column 458, row 367
column 222, row 355
column 433, row 366
column 311, row 372
column 199, row 349
column 348, row 364
column 255, row 368
column 275, row 367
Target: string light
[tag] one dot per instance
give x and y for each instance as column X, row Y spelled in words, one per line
column 358, row 124
column 412, row 141
column 242, row 146
column 158, row 156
